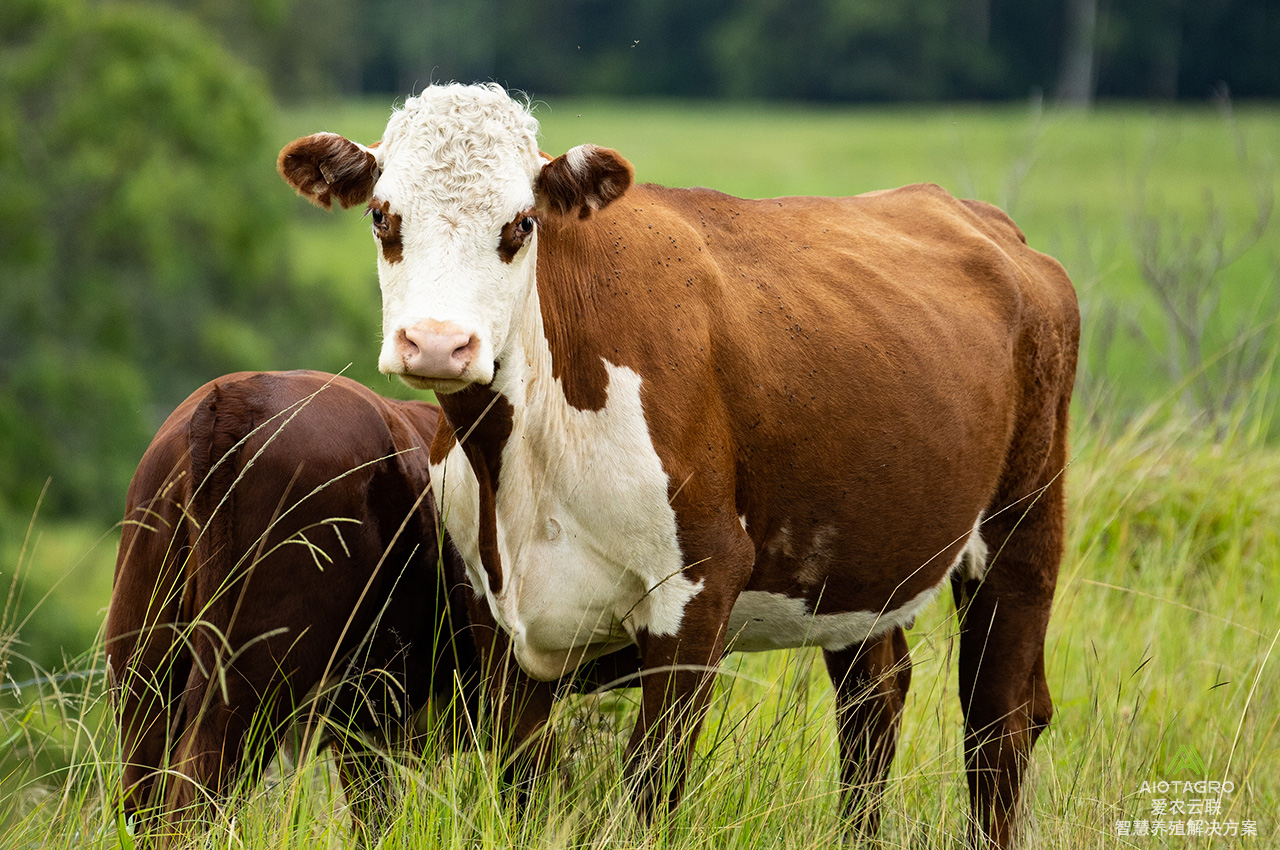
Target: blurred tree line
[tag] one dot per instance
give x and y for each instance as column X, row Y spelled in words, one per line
column 142, row 236
column 142, row 243
column 815, row 50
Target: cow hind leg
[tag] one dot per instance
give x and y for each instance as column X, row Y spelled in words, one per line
column 229, row 738
column 366, row 784
column 1003, row 690
column 871, row 681
column 146, row 704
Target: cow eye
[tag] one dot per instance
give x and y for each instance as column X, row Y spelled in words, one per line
column 525, row 225
column 377, row 217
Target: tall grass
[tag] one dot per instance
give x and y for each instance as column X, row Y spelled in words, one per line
column 1163, row 641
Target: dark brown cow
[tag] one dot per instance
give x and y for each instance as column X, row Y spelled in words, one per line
column 692, row 422
column 279, row 534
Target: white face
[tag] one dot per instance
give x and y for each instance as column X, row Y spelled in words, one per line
column 456, row 241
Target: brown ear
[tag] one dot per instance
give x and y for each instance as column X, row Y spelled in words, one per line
column 325, row 166
column 586, row 178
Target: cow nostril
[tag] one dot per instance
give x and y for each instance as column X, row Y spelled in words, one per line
column 466, row 352
column 407, row 347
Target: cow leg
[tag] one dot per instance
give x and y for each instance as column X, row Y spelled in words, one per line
column 147, row 661
column 673, row 703
column 146, row 704
column 202, row 769
column 209, row 756
column 366, row 784
column 678, row 670
column 520, row 706
column 676, row 684
column 871, row 681
column 1003, row 689
column 207, row 761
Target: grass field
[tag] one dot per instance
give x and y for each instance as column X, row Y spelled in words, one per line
column 1163, row 642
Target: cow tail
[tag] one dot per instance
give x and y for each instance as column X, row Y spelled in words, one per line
column 218, row 428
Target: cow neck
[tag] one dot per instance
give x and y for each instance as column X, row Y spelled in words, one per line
column 482, row 421
column 564, row 322
column 551, row 370
column 550, row 365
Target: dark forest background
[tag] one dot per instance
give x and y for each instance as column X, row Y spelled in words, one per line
column 865, row 50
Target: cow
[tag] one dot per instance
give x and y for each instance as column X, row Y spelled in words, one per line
column 694, row 423
column 279, row 537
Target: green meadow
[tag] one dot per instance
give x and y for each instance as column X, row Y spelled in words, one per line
column 1162, row 652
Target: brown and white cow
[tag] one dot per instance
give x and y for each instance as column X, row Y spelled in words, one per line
column 279, row 534
column 693, row 422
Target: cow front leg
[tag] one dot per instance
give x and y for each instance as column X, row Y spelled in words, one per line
column 519, row 706
column 1003, row 688
column 871, row 681
column 678, row 676
column 678, row 673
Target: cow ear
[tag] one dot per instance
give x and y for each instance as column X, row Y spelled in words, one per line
column 325, row 166
column 586, row 178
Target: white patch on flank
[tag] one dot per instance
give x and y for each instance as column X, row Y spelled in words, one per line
column 761, row 620
column 973, row 558
column 779, row 545
column 815, row 564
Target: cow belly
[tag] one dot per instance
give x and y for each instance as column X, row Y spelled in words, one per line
column 761, row 621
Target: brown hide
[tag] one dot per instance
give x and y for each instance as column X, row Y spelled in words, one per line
column 871, row 380
column 859, row 378
column 289, row 514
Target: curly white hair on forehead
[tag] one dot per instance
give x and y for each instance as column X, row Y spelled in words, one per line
column 456, row 139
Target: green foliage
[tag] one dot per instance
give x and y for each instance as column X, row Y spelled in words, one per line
column 300, row 47
column 141, row 249
column 835, row 50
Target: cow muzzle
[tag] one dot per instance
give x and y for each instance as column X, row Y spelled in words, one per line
column 434, row 355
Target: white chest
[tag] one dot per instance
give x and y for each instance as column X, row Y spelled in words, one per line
column 586, row 536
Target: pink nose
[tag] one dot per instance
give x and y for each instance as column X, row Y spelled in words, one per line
column 432, row 349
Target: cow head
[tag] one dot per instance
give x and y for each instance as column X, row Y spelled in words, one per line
column 455, row 193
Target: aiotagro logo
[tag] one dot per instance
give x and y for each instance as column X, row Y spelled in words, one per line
column 1176, row 805
column 1186, row 760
